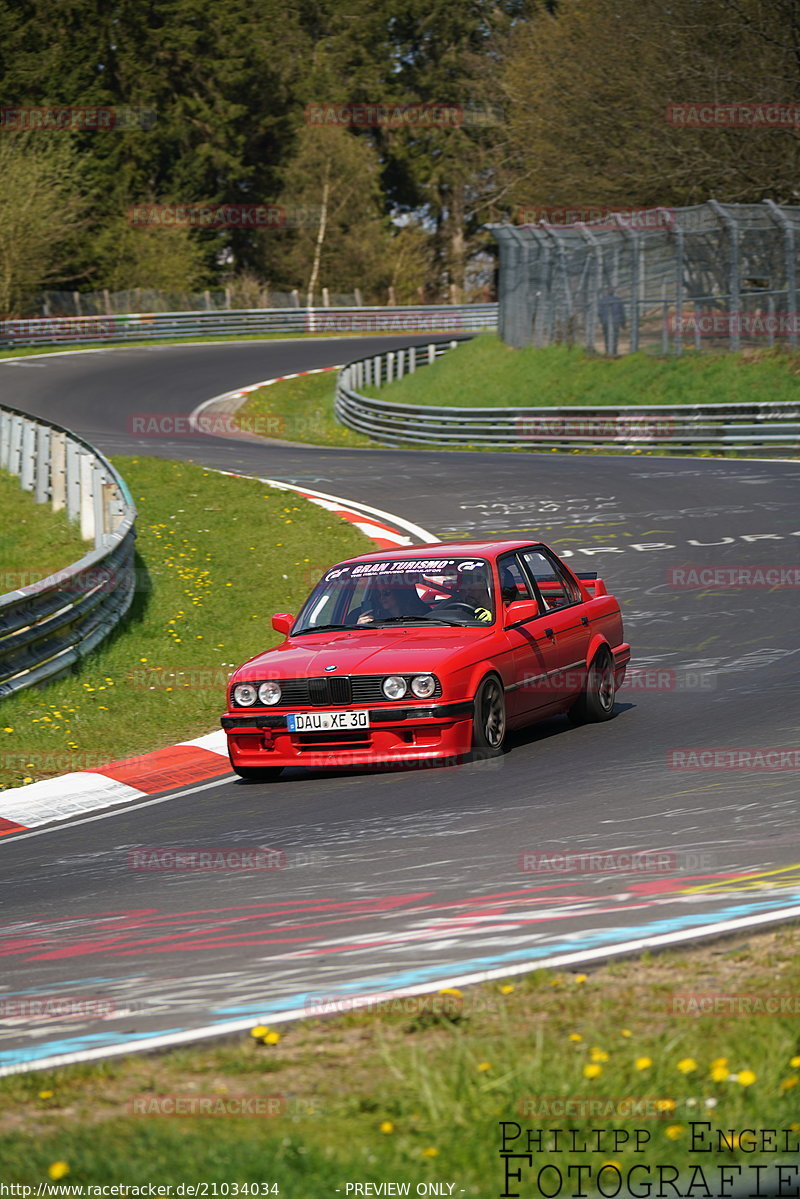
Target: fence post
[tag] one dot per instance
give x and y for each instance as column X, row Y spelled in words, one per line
column 780, row 218
column 591, row 304
column 734, row 279
column 678, row 292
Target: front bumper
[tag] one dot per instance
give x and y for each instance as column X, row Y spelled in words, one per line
column 408, row 734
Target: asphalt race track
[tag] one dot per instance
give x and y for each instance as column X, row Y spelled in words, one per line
column 406, row 879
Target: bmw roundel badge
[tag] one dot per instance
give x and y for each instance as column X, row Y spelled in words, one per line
column 330, row 667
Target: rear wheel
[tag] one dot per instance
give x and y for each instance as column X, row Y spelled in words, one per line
column 489, row 722
column 600, row 689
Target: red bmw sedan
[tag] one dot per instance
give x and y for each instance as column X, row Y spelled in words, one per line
column 425, row 654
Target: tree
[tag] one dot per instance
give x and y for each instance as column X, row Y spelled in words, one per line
column 588, row 90
column 42, row 213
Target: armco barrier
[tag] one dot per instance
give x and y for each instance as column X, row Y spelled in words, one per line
column 70, row 330
column 763, row 429
column 49, row 625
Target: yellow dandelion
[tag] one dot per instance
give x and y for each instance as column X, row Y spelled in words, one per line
column 449, row 991
column 673, row 1131
column 643, row 1063
column 611, row 1164
column 57, row 1170
column 506, row 989
column 719, row 1073
column 687, row 1065
column 746, row 1078
column 793, row 1061
column 665, row 1105
column 625, row 1032
column 260, row 1030
column 592, row 1071
column 430, row 1152
column 719, row 1062
column 575, row 1036
column 484, row 1065
column 556, row 982
column 580, row 978
column 789, row 1083
column 598, row 1055
column 386, row 1126
column 271, row 1038
column 45, row 1094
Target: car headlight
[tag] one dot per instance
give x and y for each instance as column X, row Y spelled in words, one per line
column 394, row 687
column 270, row 693
column 245, row 694
column 423, row 685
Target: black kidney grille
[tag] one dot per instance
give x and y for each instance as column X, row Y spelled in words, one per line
column 330, row 691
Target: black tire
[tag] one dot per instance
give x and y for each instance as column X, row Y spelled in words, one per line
column 600, row 689
column 489, row 721
column 253, row 774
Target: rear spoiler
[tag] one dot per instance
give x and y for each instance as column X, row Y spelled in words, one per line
column 591, row 582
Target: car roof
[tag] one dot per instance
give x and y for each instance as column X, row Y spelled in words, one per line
column 454, row 549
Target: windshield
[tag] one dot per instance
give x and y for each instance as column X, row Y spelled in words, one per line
column 455, row 591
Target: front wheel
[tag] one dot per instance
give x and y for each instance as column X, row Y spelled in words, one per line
column 489, row 722
column 596, row 702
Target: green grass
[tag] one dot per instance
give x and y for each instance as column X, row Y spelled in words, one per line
column 487, row 373
column 372, row 1097
column 299, row 410
column 217, row 556
column 34, row 540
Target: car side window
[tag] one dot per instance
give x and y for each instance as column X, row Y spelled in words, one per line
column 513, row 584
column 556, row 587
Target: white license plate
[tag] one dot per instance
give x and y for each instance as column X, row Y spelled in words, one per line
column 314, row 722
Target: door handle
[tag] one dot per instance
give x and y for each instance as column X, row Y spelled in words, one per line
column 584, row 620
column 549, row 633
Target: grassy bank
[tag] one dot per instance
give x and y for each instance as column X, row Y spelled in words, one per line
column 299, row 410
column 487, row 373
column 416, row 1095
column 216, row 557
column 34, row 540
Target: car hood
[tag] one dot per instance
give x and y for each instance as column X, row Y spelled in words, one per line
column 364, row 651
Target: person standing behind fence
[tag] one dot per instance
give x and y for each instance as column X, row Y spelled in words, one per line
column 611, row 312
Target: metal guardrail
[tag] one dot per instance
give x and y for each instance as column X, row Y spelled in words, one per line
column 49, row 625
column 466, row 318
column 767, row 428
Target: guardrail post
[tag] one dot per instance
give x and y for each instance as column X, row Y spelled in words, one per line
column 86, row 498
column 376, row 371
column 43, row 465
column 73, row 481
column 431, row 353
column 412, row 359
column 27, row 466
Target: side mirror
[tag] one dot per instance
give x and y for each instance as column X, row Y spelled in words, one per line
column 519, row 611
column 282, row 622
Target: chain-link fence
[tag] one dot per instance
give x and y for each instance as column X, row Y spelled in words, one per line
column 665, row 280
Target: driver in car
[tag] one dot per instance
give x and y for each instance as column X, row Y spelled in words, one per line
column 390, row 601
column 468, row 589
